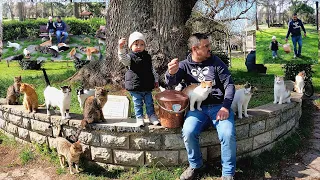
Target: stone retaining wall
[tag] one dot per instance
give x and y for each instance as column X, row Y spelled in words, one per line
column 126, row 145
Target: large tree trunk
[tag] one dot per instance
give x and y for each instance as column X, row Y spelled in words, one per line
column 161, row 21
column 52, row 9
column 20, row 11
column 76, row 10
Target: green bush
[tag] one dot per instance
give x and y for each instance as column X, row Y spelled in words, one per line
column 291, row 70
column 23, row 29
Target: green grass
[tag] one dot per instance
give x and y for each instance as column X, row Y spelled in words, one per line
column 26, row 155
column 309, row 46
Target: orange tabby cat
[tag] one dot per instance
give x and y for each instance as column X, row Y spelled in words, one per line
column 90, row 50
column 72, row 52
column 47, row 43
column 30, row 100
column 198, row 93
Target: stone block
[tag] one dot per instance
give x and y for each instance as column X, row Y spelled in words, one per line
column 167, row 158
column 291, row 123
column 145, row 142
column 75, row 123
column 42, row 116
column 23, row 134
column 15, row 119
column 27, row 114
column 183, row 156
column 89, row 138
column 173, row 141
column 242, row 131
column 5, row 115
column 2, row 123
column 209, row 138
column 134, row 158
column 124, row 129
column 244, row 145
column 1, row 113
column 261, row 139
column 279, row 131
column 214, row 152
column 101, row 154
column 26, row 124
column 12, row 129
column 257, row 128
column 52, row 143
column 272, row 123
column 41, row 127
column 115, row 140
column 38, row 138
column 86, row 152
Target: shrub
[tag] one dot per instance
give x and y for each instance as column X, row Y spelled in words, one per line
column 291, row 70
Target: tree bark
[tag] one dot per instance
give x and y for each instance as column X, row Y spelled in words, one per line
column 20, row 11
column 52, row 9
column 76, row 10
column 161, row 21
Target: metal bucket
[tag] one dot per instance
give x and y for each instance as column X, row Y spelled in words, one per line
column 172, row 108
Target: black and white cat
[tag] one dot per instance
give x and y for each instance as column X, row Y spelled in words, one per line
column 282, row 92
column 83, row 94
column 57, row 98
column 241, row 100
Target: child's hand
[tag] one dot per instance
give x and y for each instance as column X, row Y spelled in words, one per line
column 156, row 84
column 121, row 42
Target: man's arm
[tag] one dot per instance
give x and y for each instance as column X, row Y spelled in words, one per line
column 289, row 30
column 175, row 79
column 302, row 26
column 64, row 27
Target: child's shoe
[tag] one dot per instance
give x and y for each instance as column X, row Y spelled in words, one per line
column 140, row 121
column 154, row 119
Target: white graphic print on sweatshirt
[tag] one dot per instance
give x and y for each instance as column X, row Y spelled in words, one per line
column 200, row 73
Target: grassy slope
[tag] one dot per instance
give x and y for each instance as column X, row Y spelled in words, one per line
column 309, row 46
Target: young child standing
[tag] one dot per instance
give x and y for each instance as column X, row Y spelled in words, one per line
column 140, row 77
column 50, row 26
column 274, row 46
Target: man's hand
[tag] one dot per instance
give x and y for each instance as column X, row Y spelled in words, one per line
column 286, row 40
column 305, row 34
column 173, row 66
column 121, row 42
column 222, row 114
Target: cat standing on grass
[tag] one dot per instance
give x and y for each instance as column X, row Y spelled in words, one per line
column 13, row 92
column 92, row 111
column 69, row 152
column 281, row 92
column 241, row 100
column 299, row 83
column 198, row 93
column 57, row 98
column 30, row 99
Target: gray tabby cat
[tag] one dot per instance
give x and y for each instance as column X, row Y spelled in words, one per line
column 13, row 92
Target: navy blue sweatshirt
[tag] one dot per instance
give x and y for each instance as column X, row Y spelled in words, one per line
column 61, row 26
column 212, row 69
column 294, row 28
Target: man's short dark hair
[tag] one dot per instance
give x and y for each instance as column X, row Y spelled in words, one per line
column 195, row 39
column 59, row 17
column 294, row 14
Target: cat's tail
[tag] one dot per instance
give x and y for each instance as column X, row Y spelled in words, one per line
column 46, row 77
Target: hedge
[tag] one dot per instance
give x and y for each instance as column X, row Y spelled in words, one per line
column 31, row 28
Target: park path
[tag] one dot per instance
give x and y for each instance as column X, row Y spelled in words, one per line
column 308, row 166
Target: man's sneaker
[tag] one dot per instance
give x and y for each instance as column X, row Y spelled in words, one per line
column 189, row 174
column 140, row 121
column 294, row 56
column 227, row 178
column 298, row 55
column 154, row 119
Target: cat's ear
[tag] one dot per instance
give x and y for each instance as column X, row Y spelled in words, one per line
column 203, row 84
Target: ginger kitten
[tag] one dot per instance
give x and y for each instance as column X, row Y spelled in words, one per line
column 198, row 93
column 30, row 99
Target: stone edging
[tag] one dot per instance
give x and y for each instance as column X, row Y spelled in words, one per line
column 130, row 146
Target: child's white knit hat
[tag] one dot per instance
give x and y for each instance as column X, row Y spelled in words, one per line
column 50, row 17
column 136, row 36
column 274, row 37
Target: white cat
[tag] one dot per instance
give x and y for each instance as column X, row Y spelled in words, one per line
column 15, row 45
column 299, row 84
column 198, row 93
column 282, row 93
column 241, row 100
column 57, row 98
column 83, row 94
column 26, row 52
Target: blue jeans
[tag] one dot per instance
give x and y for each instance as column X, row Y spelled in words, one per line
column 138, row 99
column 295, row 40
column 195, row 122
column 59, row 33
column 274, row 53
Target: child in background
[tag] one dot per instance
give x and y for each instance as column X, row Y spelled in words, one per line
column 274, row 46
column 50, row 26
column 140, row 77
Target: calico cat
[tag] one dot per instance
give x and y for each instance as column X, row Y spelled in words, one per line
column 92, row 111
column 299, row 83
column 14, row 45
column 69, row 152
column 63, row 47
column 83, row 94
column 241, row 100
column 198, row 93
column 57, row 98
column 90, row 51
column 53, row 50
column 282, row 93
column 13, row 92
column 30, row 100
